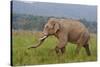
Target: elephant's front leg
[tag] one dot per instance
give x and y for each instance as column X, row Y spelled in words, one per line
column 60, row 48
column 63, row 50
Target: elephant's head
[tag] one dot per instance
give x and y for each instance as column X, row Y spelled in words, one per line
column 51, row 27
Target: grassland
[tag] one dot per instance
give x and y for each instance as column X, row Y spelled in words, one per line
column 45, row 53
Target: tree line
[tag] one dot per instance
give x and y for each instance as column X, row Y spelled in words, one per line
column 31, row 22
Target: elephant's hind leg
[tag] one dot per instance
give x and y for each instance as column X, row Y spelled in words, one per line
column 86, row 46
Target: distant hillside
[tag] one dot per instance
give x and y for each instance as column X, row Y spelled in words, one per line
column 57, row 10
column 30, row 22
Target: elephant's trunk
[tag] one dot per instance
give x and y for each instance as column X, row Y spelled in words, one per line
column 39, row 43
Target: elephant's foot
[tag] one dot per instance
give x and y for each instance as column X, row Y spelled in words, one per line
column 87, row 49
column 63, row 50
column 57, row 50
column 60, row 50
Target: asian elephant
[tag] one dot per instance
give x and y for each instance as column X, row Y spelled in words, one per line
column 66, row 30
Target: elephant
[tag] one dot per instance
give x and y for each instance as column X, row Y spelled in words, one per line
column 66, row 30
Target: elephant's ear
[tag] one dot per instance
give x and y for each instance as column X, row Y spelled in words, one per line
column 56, row 27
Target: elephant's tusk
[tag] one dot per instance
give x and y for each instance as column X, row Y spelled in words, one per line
column 43, row 38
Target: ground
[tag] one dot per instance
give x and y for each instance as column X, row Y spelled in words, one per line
column 45, row 54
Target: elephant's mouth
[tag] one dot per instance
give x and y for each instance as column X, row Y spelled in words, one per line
column 45, row 35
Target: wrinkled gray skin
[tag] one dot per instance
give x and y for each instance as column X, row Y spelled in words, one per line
column 66, row 30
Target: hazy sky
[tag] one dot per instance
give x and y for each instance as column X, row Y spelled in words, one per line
column 88, row 2
column 64, row 10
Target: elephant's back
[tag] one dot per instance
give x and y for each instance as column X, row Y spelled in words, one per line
column 72, row 24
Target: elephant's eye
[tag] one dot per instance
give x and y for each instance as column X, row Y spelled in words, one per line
column 46, row 27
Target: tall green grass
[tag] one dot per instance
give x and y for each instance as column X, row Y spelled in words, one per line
column 45, row 54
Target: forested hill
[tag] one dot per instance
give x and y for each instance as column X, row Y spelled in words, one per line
column 32, row 22
column 75, row 11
